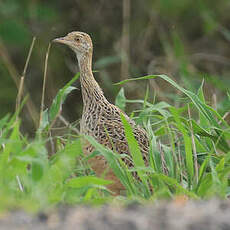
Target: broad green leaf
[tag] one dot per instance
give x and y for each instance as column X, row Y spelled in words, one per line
column 133, row 144
column 4, row 121
column 13, row 146
column 203, row 120
column 56, row 106
column 120, row 99
column 37, row 170
column 83, row 181
column 204, row 189
column 45, row 120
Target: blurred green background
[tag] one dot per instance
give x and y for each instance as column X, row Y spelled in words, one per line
column 187, row 40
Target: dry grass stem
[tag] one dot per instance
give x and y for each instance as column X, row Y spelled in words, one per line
column 20, row 90
column 20, row 93
column 19, row 184
column 224, row 117
column 29, row 56
column 8, row 63
column 65, row 122
column 44, row 84
column 214, row 99
column 163, row 162
column 6, row 60
column 125, row 40
column 54, row 120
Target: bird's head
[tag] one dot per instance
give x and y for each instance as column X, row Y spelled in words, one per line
column 79, row 42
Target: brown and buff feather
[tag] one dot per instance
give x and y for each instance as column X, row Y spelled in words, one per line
column 101, row 119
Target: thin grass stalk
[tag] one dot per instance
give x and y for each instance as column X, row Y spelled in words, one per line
column 157, row 91
column 29, row 56
column 125, row 39
column 175, row 159
column 20, row 90
column 146, row 96
column 44, row 84
column 193, row 146
column 54, row 120
column 65, row 122
column 19, row 96
column 5, row 57
column 214, row 99
column 2, row 145
column 180, row 163
column 163, row 162
column 224, row 117
column 19, row 183
column 172, row 144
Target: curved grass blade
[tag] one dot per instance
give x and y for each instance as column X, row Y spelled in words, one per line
column 135, row 152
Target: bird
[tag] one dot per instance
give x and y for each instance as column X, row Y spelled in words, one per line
column 101, row 119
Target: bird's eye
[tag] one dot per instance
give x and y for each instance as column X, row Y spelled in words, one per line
column 77, row 39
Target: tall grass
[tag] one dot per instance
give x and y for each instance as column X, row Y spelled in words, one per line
column 189, row 155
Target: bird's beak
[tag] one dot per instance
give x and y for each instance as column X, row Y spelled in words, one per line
column 63, row 40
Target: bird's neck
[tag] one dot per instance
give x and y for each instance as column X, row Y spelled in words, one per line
column 91, row 91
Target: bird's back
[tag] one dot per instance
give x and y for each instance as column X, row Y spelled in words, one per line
column 102, row 121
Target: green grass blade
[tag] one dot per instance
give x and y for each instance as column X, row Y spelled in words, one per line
column 84, row 181
column 120, row 100
column 113, row 161
column 173, row 182
column 187, row 143
column 203, row 108
column 135, row 152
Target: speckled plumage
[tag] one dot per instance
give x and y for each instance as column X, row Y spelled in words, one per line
column 101, row 119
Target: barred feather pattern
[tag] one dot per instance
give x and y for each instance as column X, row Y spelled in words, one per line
column 101, row 119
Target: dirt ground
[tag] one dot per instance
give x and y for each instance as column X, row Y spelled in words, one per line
column 175, row 215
